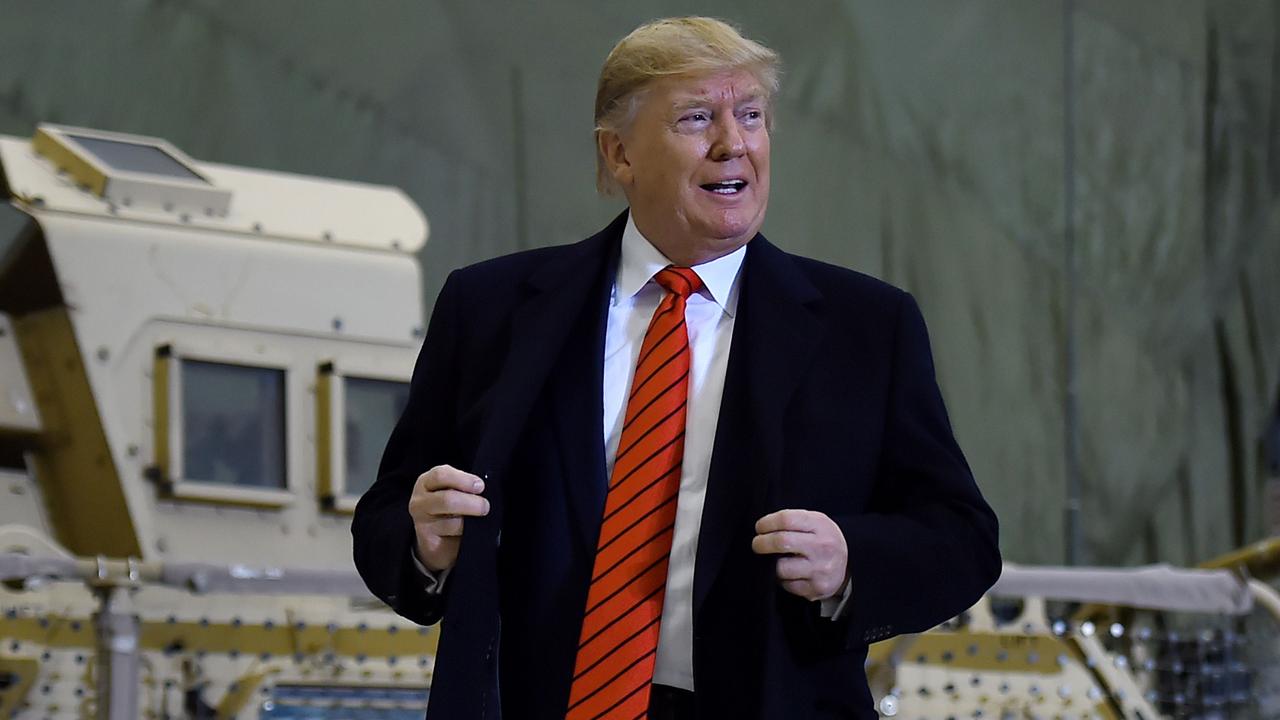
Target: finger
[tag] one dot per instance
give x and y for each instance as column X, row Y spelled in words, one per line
column 803, row 588
column 795, row 568
column 446, row 477
column 782, row 543
column 450, row 503
column 792, row 520
column 444, row 527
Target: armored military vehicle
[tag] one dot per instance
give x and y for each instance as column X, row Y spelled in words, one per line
column 199, row 365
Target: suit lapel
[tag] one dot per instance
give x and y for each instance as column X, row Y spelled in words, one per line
column 557, row 295
column 578, row 415
column 775, row 334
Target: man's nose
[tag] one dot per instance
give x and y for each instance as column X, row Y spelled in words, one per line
column 728, row 142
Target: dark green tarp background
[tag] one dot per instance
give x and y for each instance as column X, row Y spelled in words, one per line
column 921, row 141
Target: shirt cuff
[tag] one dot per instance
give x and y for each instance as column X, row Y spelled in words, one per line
column 833, row 607
column 433, row 581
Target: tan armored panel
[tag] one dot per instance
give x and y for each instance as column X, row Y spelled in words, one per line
column 184, row 335
column 19, row 415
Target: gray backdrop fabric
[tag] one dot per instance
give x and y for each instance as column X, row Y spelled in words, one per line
column 923, row 142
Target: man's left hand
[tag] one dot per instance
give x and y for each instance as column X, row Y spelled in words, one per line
column 815, row 557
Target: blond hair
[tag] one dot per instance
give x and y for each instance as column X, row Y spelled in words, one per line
column 667, row 47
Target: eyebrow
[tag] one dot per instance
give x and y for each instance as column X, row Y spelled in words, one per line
column 701, row 100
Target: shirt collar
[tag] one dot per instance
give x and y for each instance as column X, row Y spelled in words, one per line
column 640, row 261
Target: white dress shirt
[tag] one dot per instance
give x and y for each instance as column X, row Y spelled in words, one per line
column 709, row 318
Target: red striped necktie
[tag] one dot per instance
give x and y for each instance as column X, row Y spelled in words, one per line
column 619, row 642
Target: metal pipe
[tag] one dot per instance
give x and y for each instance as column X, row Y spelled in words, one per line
column 116, row 628
column 193, row 577
column 1070, row 401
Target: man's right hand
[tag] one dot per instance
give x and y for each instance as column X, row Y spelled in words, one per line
column 442, row 497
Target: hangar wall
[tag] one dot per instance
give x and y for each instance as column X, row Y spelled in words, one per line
column 925, row 142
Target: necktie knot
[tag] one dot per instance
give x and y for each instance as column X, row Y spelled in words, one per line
column 682, row 281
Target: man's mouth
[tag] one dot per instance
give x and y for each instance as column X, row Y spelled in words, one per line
column 727, row 187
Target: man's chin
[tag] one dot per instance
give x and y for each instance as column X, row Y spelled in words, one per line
column 738, row 232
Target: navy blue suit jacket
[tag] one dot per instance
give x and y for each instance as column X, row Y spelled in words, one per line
column 830, row 404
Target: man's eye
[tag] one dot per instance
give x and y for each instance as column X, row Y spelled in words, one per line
column 696, row 117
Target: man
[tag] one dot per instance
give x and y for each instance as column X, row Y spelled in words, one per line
column 673, row 471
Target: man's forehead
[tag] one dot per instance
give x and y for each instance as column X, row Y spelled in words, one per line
column 738, row 85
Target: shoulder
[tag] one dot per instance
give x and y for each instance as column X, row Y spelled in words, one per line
column 510, row 274
column 507, row 270
column 850, row 289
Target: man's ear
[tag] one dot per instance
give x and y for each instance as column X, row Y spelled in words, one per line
column 614, row 152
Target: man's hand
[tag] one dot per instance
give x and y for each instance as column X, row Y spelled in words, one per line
column 815, row 557
column 441, row 498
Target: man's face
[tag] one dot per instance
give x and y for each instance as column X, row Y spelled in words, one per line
column 694, row 163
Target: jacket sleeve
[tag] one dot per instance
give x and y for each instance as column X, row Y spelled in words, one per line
column 382, row 530
column 928, row 546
